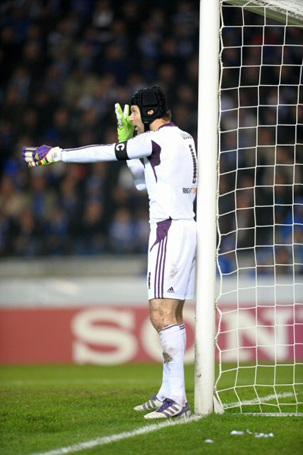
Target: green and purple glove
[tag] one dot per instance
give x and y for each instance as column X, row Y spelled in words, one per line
column 41, row 156
column 125, row 128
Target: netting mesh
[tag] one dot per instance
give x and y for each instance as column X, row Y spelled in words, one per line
column 260, row 213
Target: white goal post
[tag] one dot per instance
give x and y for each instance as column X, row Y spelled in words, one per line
column 250, row 127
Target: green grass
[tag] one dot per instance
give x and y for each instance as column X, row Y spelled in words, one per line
column 43, row 408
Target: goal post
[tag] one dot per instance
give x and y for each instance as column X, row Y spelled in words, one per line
column 206, row 204
column 250, row 207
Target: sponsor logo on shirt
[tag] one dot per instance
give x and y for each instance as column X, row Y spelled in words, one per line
column 189, row 190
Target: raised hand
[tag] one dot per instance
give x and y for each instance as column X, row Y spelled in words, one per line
column 125, row 128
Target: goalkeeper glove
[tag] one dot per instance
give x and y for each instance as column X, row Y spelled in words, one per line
column 41, row 156
column 125, row 128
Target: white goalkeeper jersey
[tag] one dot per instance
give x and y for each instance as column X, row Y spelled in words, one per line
column 163, row 162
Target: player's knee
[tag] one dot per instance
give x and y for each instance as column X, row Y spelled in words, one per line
column 156, row 319
column 160, row 318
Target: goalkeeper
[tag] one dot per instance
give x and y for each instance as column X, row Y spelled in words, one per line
column 162, row 160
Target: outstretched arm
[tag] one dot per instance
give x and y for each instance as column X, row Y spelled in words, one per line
column 137, row 147
column 45, row 155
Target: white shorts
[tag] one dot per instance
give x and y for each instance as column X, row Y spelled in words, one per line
column 172, row 260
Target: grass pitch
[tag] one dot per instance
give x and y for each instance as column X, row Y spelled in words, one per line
column 56, row 409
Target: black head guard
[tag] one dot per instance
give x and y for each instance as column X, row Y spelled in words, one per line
column 149, row 99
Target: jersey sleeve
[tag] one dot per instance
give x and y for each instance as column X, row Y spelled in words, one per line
column 137, row 147
column 136, row 168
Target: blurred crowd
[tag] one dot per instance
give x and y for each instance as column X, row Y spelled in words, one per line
column 261, row 142
column 65, row 63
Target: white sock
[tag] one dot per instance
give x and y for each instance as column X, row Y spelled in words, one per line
column 164, row 389
column 173, row 341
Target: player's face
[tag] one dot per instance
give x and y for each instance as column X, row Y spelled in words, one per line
column 135, row 118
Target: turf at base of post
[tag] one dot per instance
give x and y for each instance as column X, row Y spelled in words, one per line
column 44, row 408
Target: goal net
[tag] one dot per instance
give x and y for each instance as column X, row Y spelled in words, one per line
column 259, row 302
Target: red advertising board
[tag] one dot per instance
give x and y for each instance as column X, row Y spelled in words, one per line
column 115, row 334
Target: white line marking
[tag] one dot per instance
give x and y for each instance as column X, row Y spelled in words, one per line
column 274, row 414
column 260, row 400
column 118, row 437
